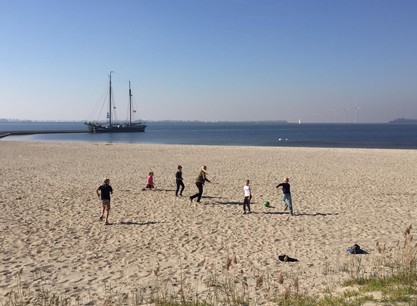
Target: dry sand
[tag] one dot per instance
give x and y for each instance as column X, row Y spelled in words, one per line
column 50, row 233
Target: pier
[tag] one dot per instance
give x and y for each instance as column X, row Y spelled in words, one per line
column 19, row 133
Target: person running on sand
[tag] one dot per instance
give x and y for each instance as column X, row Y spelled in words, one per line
column 104, row 192
column 248, row 196
column 179, row 181
column 286, row 195
column 149, row 182
column 199, row 182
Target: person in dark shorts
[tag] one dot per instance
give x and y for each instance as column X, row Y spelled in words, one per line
column 103, row 192
column 199, row 182
column 248, row 196
column 286, row 195
column 179, row 181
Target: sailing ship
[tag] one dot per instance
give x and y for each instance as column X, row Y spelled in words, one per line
column 116, row 127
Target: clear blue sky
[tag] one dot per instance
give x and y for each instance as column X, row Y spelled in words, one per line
column 210, row 59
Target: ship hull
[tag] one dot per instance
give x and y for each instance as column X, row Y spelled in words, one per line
column 117, row 128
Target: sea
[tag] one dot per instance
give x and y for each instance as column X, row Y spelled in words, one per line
column 271, row 134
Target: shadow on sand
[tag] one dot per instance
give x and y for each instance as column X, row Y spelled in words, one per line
column 228, row 203
column 314, row 214
column 138, row 223
column 276, row 213
column 210, row 197
column 157, row 189
column 169, row 190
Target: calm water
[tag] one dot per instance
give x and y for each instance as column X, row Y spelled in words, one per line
column 238, row 134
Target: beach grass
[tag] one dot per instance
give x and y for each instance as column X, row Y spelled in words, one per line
column 227, row 288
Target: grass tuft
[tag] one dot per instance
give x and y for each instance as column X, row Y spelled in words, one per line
column 233, row 287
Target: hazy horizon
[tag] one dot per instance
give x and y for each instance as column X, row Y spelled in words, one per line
column 236, row 60
column 15, row 120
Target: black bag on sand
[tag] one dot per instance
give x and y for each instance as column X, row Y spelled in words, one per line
column 286, row 258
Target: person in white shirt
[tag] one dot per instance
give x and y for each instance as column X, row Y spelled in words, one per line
column 248, row 197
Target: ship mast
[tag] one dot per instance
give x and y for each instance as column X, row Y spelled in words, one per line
column 110, row 92
column 130, row 105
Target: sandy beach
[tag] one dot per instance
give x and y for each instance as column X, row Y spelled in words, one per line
column 52, row 239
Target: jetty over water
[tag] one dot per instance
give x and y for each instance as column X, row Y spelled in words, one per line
column 19, row 133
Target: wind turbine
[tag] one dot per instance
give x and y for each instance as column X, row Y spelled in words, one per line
column 356, row 112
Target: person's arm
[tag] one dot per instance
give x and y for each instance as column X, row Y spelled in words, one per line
column 279, row 185
column 97, row 191
column 205, row 179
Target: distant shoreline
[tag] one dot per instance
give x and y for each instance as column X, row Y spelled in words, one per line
column 17, row 133
column 395, row 121
column 3, row 120
column 404, row 121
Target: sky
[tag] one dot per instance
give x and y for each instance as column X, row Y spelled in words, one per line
column 210, row 60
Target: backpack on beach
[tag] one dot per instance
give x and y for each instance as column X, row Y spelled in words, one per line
column 356, row 249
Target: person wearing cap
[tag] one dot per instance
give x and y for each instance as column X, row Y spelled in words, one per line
column 199, row 182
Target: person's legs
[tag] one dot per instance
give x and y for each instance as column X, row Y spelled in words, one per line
column 246, row 205
column 103, row 208
column 107, row 214
column 178, row 187
column 106, row 207
column 290, row 203
column 283, row 201
column 197, row 194
column 200, row 191
column 287, row 202
column 182, row 187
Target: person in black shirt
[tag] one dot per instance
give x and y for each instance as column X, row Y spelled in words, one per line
column 179, row 181
column 103, row 192
column 286, row 195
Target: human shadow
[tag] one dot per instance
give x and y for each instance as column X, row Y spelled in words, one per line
column 276, row 213
column 315, row 214
column 138, row 223
column 210, row 197
column 228, row 203
column 268, row 207
column 156, row 189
